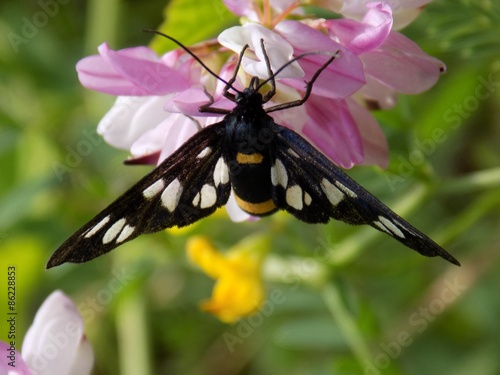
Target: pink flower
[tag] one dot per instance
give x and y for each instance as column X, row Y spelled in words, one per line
column 54, row 344
column 145, row 83
column 392, row 62
column 133, row 71
column 157, row 109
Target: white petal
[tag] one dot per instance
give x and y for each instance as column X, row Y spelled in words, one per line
column 235, row 212
column 277, row 48
column 54, row 339
column 84, row 359
column 130, row 117
column 167, row 137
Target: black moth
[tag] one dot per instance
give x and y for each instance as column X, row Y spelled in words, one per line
column 267, row 166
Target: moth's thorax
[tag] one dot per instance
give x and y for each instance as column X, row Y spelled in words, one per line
column 249, row 140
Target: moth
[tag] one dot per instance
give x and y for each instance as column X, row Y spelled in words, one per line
column 268, row 167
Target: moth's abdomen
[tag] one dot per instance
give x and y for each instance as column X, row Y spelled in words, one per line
column 251, row 181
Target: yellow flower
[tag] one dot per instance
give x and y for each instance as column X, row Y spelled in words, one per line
column 239, row 290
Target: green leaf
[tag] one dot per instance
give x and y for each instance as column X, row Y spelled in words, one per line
column 192, row 21
column 455, row 99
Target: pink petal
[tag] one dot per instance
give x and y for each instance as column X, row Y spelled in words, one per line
column 333, row 130
column 363, row 36
column 241, row 8
column 188, row 102
column 377, row 94
column 357, row 9
column 134, row 71
column 375, row 146
column 343, row 77
column 130, row 117
column 167, row 137
column 21, row 368
column 294, row 118
column 402, row 65
column 51, row 344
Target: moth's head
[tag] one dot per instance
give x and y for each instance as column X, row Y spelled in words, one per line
column 250, row 95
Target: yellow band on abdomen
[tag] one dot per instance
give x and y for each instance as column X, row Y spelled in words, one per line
column 249, row 158
column 256, row 208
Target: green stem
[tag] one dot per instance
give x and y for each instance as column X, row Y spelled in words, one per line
column 102, row 24
column 469, row 216
column 486, row 179
column 131, row 321
column 346, row 323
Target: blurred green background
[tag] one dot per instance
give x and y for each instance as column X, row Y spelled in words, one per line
column 355, row 301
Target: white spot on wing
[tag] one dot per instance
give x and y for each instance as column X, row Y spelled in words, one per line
column 390, row 225
column 293, row 153
column 154, row 189
column 333, row 194
column 381, row 226
column 208, row 196
column 346, row 190
column 274, row 176
column 278, row 174
column 125, row 233
column 113, row 231
column 171, row 195
column 196, row 199
column 97, row 227
column 205, row 152
column 221, row 172
column 294, row 197
column 307, row 198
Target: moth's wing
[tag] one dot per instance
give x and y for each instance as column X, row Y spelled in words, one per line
column 313, row 189
column 189, row 185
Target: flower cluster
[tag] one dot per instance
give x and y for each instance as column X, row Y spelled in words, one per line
column 159, row 97
column 157, row 108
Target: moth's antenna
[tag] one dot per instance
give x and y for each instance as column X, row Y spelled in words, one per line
column 284, row 66
column 192, row 55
